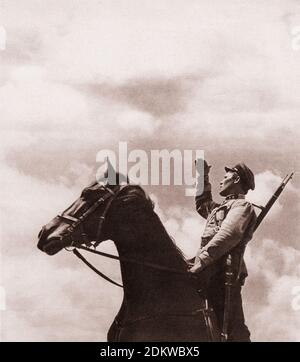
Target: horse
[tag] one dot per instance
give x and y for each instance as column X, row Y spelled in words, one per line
column 161, row 301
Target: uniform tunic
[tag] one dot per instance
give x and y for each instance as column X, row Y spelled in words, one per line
column 228, row 228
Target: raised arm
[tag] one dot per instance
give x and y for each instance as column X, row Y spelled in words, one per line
column 204, row 202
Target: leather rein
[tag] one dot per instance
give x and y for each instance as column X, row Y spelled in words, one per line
column 78, row 222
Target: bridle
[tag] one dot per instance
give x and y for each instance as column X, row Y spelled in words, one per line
column 78, row 222
column 110, row 196
column 74, row 222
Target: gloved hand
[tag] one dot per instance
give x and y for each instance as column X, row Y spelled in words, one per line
column 197, row 267
column 205, row 165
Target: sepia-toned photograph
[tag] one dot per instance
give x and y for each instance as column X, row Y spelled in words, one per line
column 150, row 184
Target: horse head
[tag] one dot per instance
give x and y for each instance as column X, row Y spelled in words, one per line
column 92, row 217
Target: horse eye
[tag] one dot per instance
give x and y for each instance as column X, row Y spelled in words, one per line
column 85, row 193
column 88, row 194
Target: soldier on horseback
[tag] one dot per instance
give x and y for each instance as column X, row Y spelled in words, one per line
column 229, row 227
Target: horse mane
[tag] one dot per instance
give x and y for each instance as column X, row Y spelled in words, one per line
column 171, row 240
column 141, row 207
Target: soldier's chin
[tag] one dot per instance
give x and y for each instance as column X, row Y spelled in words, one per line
column 223, row 192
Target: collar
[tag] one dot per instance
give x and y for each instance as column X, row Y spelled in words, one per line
column 234, row 196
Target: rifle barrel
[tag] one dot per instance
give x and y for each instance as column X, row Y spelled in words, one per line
column 272, row 200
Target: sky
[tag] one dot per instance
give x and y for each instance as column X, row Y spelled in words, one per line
column 77, row 77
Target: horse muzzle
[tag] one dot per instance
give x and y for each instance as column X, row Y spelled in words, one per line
column 51, row 244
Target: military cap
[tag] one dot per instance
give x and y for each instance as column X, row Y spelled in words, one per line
column 246, row 175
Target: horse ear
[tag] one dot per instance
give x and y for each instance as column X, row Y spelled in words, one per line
column 110, row 176
column 106, row 175
column 110, row 171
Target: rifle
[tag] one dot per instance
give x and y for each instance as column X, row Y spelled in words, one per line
column 229, row 271
column 266, row 209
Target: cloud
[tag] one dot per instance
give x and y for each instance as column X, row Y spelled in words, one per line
column 266, row 184
column 51, row 302
column 138, row 121
column 183, row 225
column 46, row 297
column 42, row 105
column 78, row 78
column 274, row 272
column 116, row 41
column 160, row 97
